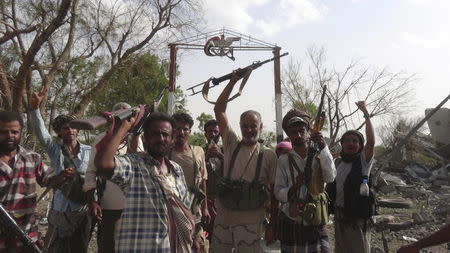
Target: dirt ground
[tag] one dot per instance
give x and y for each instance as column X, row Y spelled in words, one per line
column 422, row 203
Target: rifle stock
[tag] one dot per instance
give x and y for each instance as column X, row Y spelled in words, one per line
column 94, row 122
column 9, row 225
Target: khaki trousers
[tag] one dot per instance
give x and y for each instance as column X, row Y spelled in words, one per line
column 350, row 237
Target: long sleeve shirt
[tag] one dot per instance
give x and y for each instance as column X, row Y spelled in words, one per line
column 322, row 166
column 54, row 151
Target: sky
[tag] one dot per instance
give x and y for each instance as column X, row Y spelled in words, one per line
column 402, row 35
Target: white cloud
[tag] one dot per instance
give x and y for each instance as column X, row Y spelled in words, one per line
column 275, row 16
column 438, row 41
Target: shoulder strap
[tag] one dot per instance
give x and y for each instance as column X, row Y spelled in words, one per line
column 259, row 163
column 293, row 164
column 291, row 167
column 195, row 165
column 233, row 159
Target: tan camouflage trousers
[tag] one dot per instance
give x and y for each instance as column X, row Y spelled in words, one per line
column 236, row 237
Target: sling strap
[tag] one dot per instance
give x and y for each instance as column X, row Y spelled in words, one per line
column 258, row 162
column 206, row 87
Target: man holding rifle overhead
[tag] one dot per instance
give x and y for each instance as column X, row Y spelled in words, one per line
column 243, row 189
column 156, row 216
column 299, row 186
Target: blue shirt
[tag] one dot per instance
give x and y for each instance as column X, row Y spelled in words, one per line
column 60, row 202
column 144, row 222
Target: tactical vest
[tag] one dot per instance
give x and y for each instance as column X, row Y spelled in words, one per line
column 240, row 194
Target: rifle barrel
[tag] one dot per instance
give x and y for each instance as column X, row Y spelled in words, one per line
column 240, row 72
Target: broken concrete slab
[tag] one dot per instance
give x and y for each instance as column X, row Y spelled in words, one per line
column 396, row 226
column 382, row 218
column 420, row 218
column 395, row 203
column 392, row 180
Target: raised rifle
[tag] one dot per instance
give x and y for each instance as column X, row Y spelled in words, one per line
column 303, row 179
column 313, row 149
column 239, row 72
column 10, row 226
column 94, row 122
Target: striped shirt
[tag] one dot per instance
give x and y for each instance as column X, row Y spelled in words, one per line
column 144, row 222
column 18, row 191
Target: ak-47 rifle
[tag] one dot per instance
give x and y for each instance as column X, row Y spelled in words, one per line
column 94, row 122
column 312, row 146
column 9, row 225
column 304, row 179
column 239, row 72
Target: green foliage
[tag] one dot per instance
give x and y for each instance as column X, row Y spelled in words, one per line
column 270, row 138
column 202, row 119
column 137, row 83
column 197, row 139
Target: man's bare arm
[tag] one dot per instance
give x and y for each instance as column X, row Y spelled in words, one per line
column 221, row 104
column 104, row 159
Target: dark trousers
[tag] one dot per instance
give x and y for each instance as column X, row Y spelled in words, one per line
column 105, row 232
column 68, row 232
column 297, row 238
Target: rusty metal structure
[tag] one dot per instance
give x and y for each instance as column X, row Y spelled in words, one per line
column 224, row 43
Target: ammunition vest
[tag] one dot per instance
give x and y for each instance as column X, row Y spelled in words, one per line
column 240, row 194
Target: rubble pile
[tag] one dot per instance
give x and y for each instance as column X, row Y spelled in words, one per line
column 413, row 193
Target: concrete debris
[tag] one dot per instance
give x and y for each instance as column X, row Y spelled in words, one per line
column 392, row 180
column 382, row 218
column 395, row 203
column 409, row 239
column 420, row 218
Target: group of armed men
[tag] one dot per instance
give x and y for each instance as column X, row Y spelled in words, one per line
column 164, row 195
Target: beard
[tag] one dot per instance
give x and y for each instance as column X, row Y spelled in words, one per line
column 251, row 138
column 6, row 146
column 298, row 141
column 158, row 149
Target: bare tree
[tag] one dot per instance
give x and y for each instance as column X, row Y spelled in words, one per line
column 385, row 92
column 42, row 41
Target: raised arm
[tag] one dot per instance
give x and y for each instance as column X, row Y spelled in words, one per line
column 221, row 103
column 38, row 123
column 370, row 136
column 104, row 159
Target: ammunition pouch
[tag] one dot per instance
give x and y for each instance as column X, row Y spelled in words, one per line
column 241, row 195
column 314, row 211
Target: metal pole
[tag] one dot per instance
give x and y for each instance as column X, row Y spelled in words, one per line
column 172, row 75
column 278, row 102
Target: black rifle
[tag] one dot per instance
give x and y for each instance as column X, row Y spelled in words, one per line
column 94, row 122
column 239, row 72
column 10, row 226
